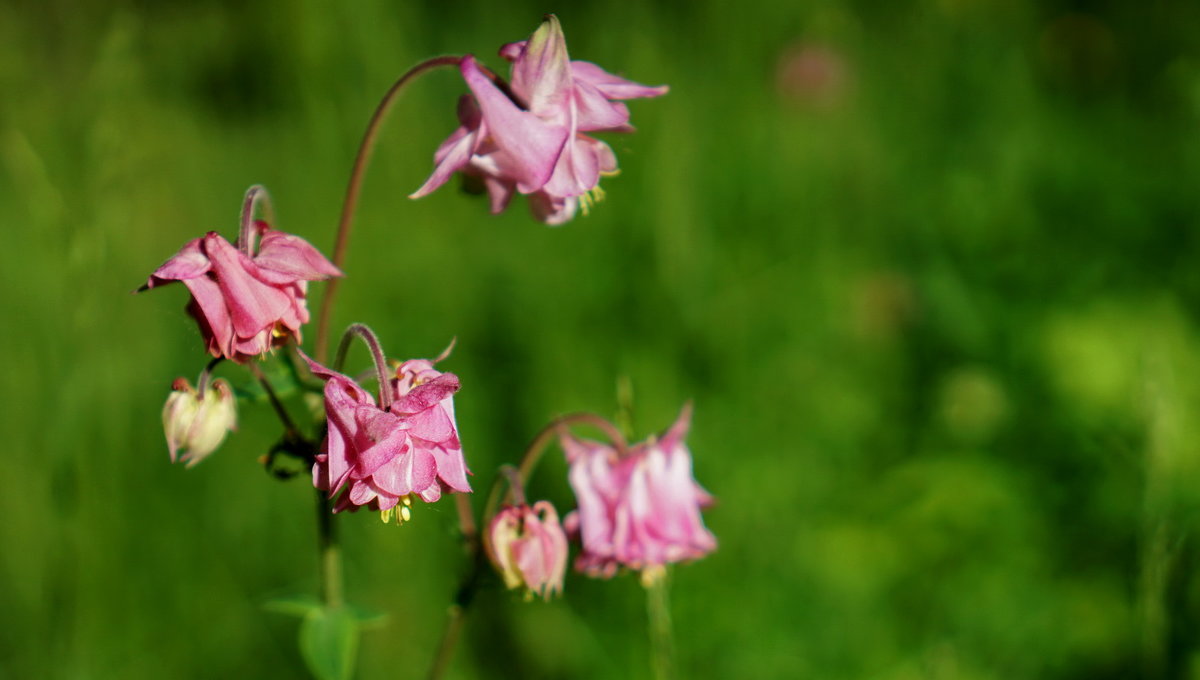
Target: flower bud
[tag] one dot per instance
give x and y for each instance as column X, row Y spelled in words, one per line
column 195, row 426
column 529, row 548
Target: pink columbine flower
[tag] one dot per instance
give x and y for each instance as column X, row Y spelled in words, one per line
column 197, row 425
column 529, row 137
column 640, row 511
column 528, row 546
column 247, row 302
column 383, row 458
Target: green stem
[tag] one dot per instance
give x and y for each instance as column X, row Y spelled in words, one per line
column 533, row 454
column 330, row 553
column 354, row 188
column 455, row 617
column 516, row 479
column 289, row 426
column 658, row 608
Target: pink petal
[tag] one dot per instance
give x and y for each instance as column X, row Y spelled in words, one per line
column 541, row 73
column 426, row 395
column 675, row 435
column 611, row 86
column 285, row 258
column 452, row 468
column 410, row 473
column 374, row 457
column 500, row 193
column 578, row 170
column 552, row 210
column 188, row 263
column 431, row 425
column 431, row 494
column 512, row 50
column 253, row 305
column 532, row 143
column 320, row 370
column 361, row 493
column 594, row 112
column 213, row 313
column 455, row 154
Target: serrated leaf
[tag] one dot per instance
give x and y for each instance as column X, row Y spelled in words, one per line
column 329, row 642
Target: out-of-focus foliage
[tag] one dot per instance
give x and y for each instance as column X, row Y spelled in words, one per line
column 928, row 270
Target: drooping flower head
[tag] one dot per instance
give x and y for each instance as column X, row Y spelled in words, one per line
column 527, row 136
column 196, row 425
column 247, row 301
column 381, row 458
column 640, row 510
column 528, row 546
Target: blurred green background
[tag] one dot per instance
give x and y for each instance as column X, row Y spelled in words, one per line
column 927, row 269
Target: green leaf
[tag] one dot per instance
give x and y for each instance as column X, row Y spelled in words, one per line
column 367, row 618
column 329, row 642
column 295, row 605
column 283, row 380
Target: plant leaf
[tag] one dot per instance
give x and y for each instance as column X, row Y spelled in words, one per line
column 329, row 642
column 295, row 605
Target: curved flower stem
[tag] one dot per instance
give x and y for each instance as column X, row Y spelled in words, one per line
column 658, row 607
column 381, row 368
column 516, row 489
column 466, row 518
column 205, row 378
column 533, row 453
column 355, row 187
column 254, row 195
column 516, row 478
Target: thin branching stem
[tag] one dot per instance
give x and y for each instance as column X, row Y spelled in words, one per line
column 289, row 426
column 515, row 478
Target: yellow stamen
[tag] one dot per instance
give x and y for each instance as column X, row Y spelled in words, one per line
column 590, row 198
column 401, row 512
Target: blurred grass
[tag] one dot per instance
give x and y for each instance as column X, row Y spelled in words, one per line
column 926, row 268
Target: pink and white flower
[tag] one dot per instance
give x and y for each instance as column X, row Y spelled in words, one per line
column 381, row 458
column 247, row 302
column 196, row 425
column 528, row 546
column 640, row 510
column 527, row 137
